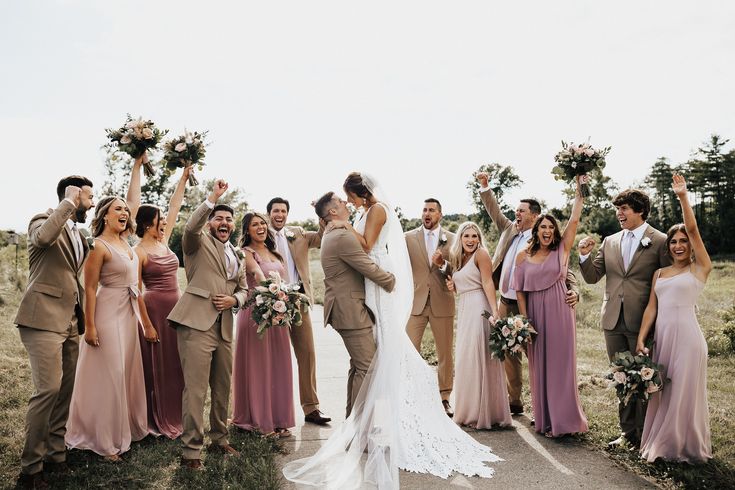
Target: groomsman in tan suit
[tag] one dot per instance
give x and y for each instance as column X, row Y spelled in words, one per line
column 433, row 303
column 50, row 319
column 203, row 319
column 293, row 243
column 514, row 236
column 346, row 265
column 628, row 259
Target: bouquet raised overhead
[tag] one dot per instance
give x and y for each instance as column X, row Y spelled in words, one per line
column 184, row 151
column 276, row 303
column 635, row 377
column 136, row 137
column 574, row 159
column 509, row 336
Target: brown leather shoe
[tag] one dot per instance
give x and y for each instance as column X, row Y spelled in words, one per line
column 31, row 481
column 224, row 449
column 192, row 464
column 448, row 408
column 516, row 409
column 317, row 418
column 58, row 468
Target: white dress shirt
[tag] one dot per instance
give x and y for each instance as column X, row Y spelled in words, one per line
column 76, row 241
column 283, row 249
column 509, row 264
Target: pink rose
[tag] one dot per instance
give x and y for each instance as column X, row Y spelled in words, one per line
column 273, row 288
column 518, row 323
column 180, row 147
column 619, row 377
column 647, row 373
column 147, row 133
column 589, row 152
column 125, row 140
column 282, row 296
column 505, row 331
column 279, row 306
column 651, row 388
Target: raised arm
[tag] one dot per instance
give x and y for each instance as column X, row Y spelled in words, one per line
column 191, row 240
column 570, row 231
column 353, row 254
column 44, row 231
column 649, row 318
column 485, row 264
column 133, row 196
column 491, row 203
column 174, row 205
column 702, row 261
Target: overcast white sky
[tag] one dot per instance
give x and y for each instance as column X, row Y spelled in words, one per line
column 296, row 94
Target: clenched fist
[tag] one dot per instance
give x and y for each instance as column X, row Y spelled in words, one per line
column 586, row 245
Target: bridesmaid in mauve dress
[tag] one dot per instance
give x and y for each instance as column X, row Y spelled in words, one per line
column 164, row 380
column 540, row 280
column 262, row 375
column 481, row 399
column 108, row 409
column 677, row 419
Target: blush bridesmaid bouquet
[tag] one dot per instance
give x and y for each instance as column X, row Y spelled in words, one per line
column 184, row 151
column 635, row 377
column 575, row 160
column 276, row 304
column 509, row 336
column 135, row 137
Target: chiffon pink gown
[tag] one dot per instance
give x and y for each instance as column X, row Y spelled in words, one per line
column 552, row 357
column 677, row 419
column 481, row 398
column 164, row 380
column 108, row 408
column 262, row 375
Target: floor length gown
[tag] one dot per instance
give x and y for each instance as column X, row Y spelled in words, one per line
column 164, row 380
column 552, row 356
column 108, row 407
column 262, row 376
column 677, row 419
column 481, row 397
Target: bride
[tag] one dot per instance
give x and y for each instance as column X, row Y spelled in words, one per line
column 397, row 420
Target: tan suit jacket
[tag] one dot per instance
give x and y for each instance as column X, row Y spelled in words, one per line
column 206, row 274
column 299, row 247
column 429, row 283
column 631, row 288
column 346, row 265
column 55, row 292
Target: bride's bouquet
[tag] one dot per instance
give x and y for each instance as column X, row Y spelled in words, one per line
column 575, row 160
column 136, row 137
column 276, row 304
column 635, row 377
column 509, row 336
column 184, row 151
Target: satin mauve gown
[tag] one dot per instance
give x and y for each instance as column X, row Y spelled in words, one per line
column 677, row 419
column 164, row 380
column 262, row 375
column 108, row 408
column 552, row 357
column 481, row 398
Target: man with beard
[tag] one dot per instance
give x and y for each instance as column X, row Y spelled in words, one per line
column 50, row 319
column 203, row 318
column 433, row 303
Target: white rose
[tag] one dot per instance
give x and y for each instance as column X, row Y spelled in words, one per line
column 619, row 377
column 647, row 373
column 589, row 152
column 259, row 300
column 180, row 147
column 125, row 140
column 147, row 133
column 273, row 288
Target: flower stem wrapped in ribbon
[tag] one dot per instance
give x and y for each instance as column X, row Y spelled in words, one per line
column 276, row 304
column 184, row 151
column 509, row 336
column 136, row 137
column 635, row 377
column 575, row 160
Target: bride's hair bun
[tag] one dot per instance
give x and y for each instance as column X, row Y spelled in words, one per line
column 356, row 184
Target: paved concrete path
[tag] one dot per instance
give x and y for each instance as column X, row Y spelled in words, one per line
column 531, row 460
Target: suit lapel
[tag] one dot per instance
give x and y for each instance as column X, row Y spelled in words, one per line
column 421, row 238
column 615, row 246
column 71, row 251
column 220, row 251
column 647, row 234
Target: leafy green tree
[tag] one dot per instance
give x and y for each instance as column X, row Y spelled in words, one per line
column 598, row 213
column 664, row 205
column 156, row 190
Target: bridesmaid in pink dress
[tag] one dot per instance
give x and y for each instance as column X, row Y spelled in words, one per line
column 540, row 280
column 481, row 398
column 108, row 409
column 676, row 427
column 164, row 380
column 262, row 375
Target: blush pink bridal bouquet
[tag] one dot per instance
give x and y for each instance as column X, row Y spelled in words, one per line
column 509, row 336
column 184, row 151
column 635, row 377
column 575, row 160
column 276, row 304
column 136, row 137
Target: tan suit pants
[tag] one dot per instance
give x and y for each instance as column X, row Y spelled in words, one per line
column 443, row 329
column 360, row 344
column 206, row 360
column 53, row 358
column 513, row 364
column 302, row 339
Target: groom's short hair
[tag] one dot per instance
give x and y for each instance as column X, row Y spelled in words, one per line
column 322, row 205
column 277, row 200
column 533, row 205
column 76, row 180
column 435, row 201
column 636, row 199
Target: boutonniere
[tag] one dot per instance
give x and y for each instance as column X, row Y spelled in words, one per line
column 239, row 253
column 646, row 242
column 443, row 239
column 289, row 235
column 87, row 237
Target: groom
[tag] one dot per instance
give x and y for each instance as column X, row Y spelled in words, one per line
column 346, row 266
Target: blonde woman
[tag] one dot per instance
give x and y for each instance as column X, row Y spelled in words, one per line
column 481, row 399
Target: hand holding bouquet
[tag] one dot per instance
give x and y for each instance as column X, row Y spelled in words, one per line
column 135, row 138
column 508, row 336
column 184, row 151
column 635, row 377
column 574, row 160
column 276, row 304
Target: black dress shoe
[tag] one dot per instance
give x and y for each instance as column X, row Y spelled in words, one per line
column 516, row 409
column 31, row 481
column 317, row 418
column 448, row 408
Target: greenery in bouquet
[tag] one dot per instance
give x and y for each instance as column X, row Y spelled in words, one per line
column 136, row 137
column 184, row 151
column 509, row 336
column 276, row 303
column 635, row 377
column 578, row 159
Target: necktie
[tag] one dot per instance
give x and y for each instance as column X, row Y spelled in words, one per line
column 230, row 261
column 76, row 241
column 512, row 266
column 430, row 244
column 628, row 249
column 282, row 247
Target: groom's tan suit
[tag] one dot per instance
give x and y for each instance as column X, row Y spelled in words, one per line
column 346, row 266
column 204, row 334
column 50, row 318
column 625, row 299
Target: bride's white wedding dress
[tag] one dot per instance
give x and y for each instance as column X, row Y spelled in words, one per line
column 398, row 419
